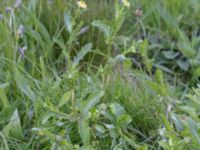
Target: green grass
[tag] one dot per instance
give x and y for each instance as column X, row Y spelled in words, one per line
column 100, row 78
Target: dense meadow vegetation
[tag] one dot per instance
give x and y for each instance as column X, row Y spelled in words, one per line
column 99, row 75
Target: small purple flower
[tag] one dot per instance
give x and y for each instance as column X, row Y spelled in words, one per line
column 84, row 30
column 20, row 31
column 17, row 3
column 22, row 50
column 1, row 16
column 8, row 10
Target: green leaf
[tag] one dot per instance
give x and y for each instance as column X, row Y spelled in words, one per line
column 143, row 147
column 190, row 110
column 170, row 54
column 193, row 126
column 86, row 105
column 4, row 99
column 68, row 22
column 4, row 143
column 13, row 128
column 4, row 85
column 158, row 88
column 65, row 98
column 84, row 50
column 196, row 73
column 184, row 46
column 183, row 64
column 166, row 123
column 124, row 120
column 117, row 109
column 159, row 77
column 127, row 64
column 100, row 129
column 106, row 29
column 84, row 131
column 24, row 86
column 177, row 122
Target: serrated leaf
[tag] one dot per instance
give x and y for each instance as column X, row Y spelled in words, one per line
column 106, row 29
column 84, row 50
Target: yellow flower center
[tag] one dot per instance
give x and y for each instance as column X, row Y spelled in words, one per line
column 82, row 4
column 126, row 3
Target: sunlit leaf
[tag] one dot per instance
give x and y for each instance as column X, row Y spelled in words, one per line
column 124, row 120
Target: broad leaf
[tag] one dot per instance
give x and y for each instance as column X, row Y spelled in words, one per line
column 86, row 105
column 183, row 64
column 84, row 131
column 13, row 128
column 117, row 110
